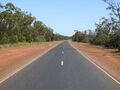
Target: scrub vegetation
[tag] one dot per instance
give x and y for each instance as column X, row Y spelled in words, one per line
column 20, row 26
column 107, row 32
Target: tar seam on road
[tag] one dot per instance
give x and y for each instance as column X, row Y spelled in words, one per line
column 90, row 60
column 25, row 65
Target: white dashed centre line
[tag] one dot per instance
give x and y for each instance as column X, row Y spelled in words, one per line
column 62, row 63
column 62, row 52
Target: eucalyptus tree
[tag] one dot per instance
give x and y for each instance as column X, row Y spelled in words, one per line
column 20, row 26
column 114, row 7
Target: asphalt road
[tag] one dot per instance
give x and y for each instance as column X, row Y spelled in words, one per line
column 62, row 68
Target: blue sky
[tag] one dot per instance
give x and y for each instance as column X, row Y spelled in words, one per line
column 65, row 16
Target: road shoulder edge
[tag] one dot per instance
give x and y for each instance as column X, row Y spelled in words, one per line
column 91, row 60
column 27, row 64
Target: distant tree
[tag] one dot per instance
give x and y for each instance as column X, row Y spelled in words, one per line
column 79, row 37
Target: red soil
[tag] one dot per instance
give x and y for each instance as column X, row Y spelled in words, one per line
column 12, row 58
column 107, row 59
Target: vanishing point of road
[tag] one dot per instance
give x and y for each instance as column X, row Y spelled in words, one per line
column 62, row 68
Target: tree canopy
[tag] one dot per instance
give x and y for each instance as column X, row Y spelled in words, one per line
column 20, row 26
column 107, row 32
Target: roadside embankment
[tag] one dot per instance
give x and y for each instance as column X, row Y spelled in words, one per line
column 12, row 58
column 107, row 59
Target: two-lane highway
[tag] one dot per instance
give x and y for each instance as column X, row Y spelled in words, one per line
column 62, row 68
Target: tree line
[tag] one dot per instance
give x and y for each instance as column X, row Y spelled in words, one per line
column 20, row 26
column 107, row 32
